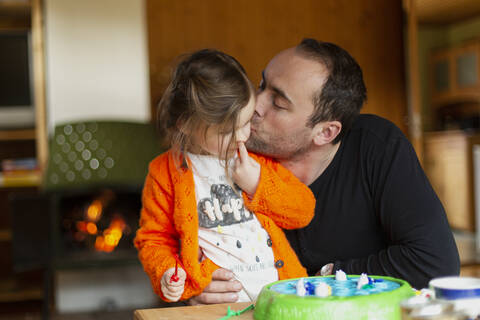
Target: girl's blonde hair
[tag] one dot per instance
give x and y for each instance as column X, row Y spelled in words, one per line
column 208, row 88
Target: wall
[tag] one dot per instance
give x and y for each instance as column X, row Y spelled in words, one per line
column 96, row 60
column 255, row 30
column 432, row 37
column 103, row 289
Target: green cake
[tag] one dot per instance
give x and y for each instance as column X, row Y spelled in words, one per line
column 379, row 298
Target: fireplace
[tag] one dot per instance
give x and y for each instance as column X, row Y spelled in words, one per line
column 81, row 224
column 94, row 175
column 85, row 247
column 95, row 227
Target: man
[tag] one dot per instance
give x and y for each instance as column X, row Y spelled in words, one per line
column 376, row 211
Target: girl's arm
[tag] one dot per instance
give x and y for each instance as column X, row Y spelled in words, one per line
column 156, row 240
column 279, row 194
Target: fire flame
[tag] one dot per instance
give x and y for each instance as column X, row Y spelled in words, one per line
column 111, row 236
column 105, row 240
column 92, row 228
column 94, row 211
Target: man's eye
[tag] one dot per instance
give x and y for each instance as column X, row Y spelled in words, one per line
column 276, row 105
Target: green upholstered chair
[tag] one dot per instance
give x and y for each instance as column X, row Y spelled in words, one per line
column 100, row 153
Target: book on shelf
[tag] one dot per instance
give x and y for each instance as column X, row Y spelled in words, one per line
column 20, row 173
column 22, row 164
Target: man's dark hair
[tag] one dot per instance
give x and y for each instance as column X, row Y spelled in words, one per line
column 344, row 92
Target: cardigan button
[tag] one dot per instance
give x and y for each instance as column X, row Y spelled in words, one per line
column 269, row 242
column 279, row 264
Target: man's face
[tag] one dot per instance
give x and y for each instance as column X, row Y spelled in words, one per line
column 284, row 105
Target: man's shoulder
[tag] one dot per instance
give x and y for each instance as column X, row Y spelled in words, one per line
column 372, row 121
column 376, row 127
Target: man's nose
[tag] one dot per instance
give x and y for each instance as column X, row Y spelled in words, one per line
column 260, row 105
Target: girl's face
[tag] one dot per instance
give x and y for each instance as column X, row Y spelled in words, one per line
column 215, row 142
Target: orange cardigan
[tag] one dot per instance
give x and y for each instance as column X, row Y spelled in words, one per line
column 169, row 220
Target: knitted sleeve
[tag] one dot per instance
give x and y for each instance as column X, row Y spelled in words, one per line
column 156, row 239
column 281, row 196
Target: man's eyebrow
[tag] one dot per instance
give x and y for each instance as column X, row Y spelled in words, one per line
column 277, row 90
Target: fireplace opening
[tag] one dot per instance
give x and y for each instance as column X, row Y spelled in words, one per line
column 96, row 226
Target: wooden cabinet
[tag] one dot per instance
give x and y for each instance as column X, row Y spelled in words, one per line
column 25, row 288
column 455, row 75
column 13, row 144
column 449, row 165
column 15, row 287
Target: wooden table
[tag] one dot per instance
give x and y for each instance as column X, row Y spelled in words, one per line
column 213, row 312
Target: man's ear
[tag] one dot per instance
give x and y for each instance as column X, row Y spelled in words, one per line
column 326, row 132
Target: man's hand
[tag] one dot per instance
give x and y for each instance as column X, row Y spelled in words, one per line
column 246, row 171
column 223, row 289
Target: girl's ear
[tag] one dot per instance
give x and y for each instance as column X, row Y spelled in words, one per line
column 326, row 132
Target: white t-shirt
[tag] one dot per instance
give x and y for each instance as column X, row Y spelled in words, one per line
column 229, row 234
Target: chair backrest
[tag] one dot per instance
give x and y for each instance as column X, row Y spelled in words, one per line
column 100, row 153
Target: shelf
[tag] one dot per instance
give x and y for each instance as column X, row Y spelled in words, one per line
column 10, row 292
column 19, row 134
column 444, row 12
column 15, row 7
column 28, row 180
column 454, row 74
column 5, row 235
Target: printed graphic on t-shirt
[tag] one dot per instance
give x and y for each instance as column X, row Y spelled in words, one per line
column 229, row 234
column 224, row 207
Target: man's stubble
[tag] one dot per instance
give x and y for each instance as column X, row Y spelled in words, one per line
column 279, row 145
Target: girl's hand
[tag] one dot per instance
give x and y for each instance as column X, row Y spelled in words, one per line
column 172, row 290
column 246, row 171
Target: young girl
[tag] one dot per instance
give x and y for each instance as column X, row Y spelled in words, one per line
column 208, row 195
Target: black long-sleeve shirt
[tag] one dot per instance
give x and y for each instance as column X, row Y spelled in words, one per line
column 376, row 211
